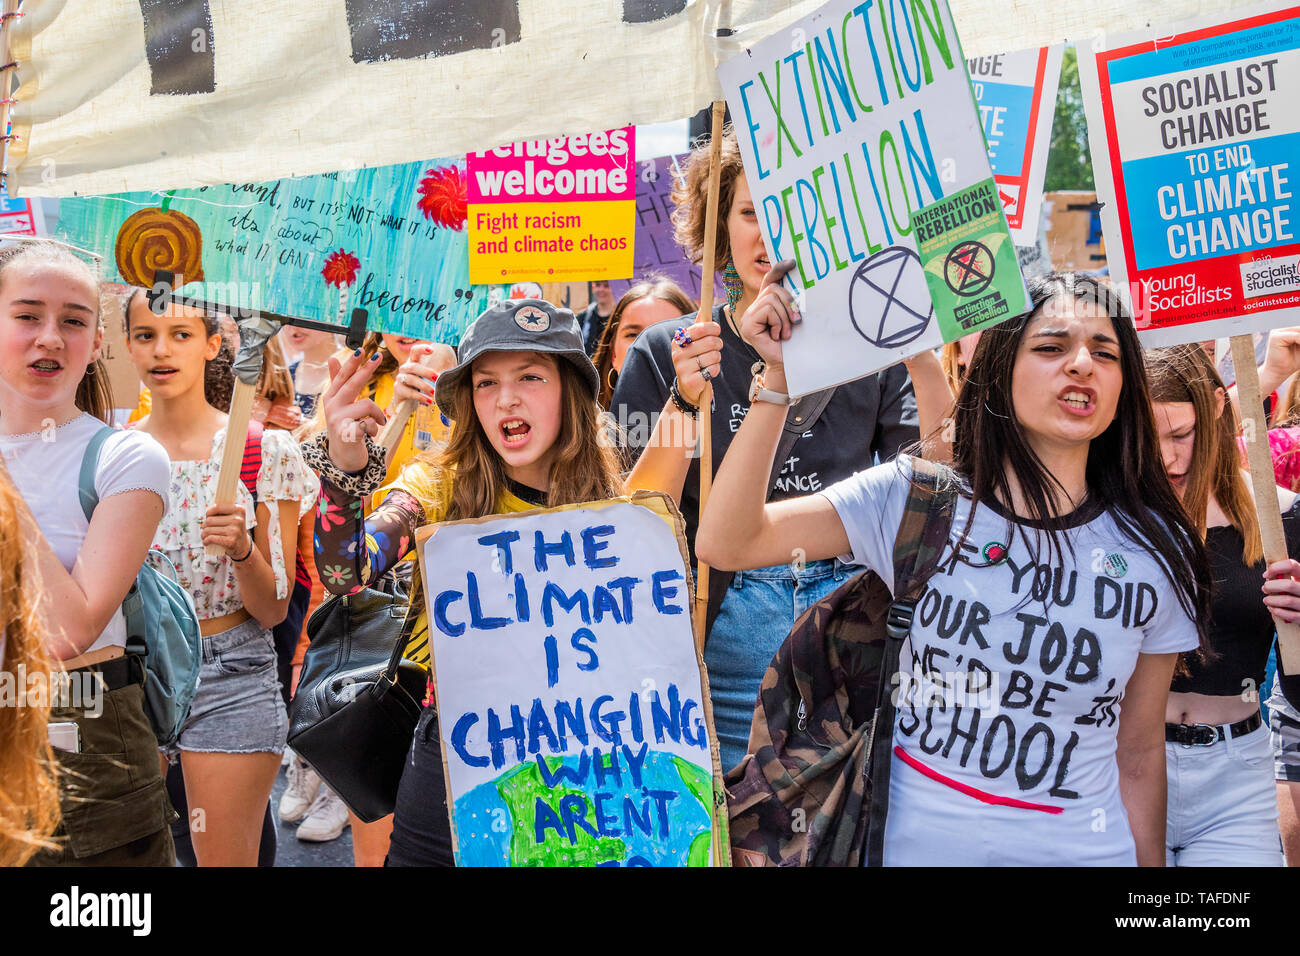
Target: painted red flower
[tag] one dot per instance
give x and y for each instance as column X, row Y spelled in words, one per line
column 444, row 196
column 340, row 268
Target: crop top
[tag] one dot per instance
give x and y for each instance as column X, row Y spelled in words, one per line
column 1241, row 629
column 210, row 579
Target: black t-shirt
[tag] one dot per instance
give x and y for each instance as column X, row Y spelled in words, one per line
column 592, row 324
column 872, row 416
column 1241, row 628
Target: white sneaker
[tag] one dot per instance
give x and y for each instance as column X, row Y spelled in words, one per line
column 326, row 819
column 304, row 785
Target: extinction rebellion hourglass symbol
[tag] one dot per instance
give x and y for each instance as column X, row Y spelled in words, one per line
column 889, row 301
column 968, row 270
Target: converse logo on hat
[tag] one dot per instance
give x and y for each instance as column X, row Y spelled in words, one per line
column 532, row 319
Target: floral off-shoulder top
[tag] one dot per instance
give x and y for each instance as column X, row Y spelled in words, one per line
column 210, row 579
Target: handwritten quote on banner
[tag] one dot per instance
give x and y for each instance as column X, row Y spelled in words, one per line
column 866, row 160
column 570, row 695
column 390, row 240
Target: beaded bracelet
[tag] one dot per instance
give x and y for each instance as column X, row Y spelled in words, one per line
column 356, row 484
column 682, row 404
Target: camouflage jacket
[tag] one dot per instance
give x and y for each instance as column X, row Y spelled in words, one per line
column 802, row 795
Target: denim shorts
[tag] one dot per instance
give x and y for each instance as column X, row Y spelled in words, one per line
column 1284, row 724
column 1222, row 807
column 757, row 614
column 238, row 708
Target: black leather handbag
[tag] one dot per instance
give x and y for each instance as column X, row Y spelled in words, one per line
column 358, row 699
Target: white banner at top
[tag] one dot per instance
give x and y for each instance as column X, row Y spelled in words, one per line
column 120, row 95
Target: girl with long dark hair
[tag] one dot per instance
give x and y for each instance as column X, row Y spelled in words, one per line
column 1033, row 683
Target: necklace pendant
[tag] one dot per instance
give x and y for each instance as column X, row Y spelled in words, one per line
column 758, row 367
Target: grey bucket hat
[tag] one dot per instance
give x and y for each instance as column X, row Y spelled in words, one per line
column 518, row 325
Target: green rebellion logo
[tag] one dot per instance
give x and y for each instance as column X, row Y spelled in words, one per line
column 1115, row 565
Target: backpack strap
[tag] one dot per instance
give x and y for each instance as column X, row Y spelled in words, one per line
column 89, row 465
column 922, row 536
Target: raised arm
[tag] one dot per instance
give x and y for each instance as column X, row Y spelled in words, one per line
column 353, row 551
column 738, row 529
column 666, row 458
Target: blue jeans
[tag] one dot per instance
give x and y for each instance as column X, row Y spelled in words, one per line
column 757, row 614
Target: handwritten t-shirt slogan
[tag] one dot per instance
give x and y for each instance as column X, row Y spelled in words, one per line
column 569, row 691
column 1011, row 683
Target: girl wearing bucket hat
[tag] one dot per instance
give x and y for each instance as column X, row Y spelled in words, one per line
column 528, row 434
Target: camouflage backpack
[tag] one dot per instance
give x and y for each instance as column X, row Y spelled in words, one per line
column 814, row 788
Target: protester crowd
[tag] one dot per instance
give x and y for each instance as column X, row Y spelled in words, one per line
column 1075, row 451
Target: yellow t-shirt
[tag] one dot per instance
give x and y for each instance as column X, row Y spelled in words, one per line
column 430, row 486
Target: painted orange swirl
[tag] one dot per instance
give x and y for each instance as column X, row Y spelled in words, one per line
column 152, row 239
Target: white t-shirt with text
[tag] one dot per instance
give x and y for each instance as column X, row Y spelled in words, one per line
column 1011, row 681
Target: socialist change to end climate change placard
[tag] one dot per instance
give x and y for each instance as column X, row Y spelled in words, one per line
column 571, row 698
column 1195, row 132
column 865, row 157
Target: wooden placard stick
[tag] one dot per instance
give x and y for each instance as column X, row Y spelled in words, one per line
column 1262, row 478
column 253, row 335
column 706, row 399
column 401, row 414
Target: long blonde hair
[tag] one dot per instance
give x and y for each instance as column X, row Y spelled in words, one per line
column 29, row 793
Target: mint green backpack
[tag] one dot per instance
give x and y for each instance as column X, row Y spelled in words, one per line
column 161, row 623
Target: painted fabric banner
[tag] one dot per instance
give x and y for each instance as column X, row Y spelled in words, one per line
column 553, row 210
column 865, row 157
column 571, row 698
column 1194, row 130
column 1016, row 93
column 125, row 95
column 390, row 240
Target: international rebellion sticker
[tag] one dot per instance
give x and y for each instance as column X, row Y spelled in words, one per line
column 969, row 260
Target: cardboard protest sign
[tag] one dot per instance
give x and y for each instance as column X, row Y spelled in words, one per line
column 123, row 379
column 1016, row 93
column 866, row 160
column 553, row 209
column 390, row 240
column 656, row 251
column 1194, row 130
column 572, row 704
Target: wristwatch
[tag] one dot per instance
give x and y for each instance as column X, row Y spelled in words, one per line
column 757, row 393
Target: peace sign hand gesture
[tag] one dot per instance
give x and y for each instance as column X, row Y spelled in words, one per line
column 348, row 417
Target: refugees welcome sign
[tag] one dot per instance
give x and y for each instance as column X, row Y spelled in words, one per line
column 571, row 699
